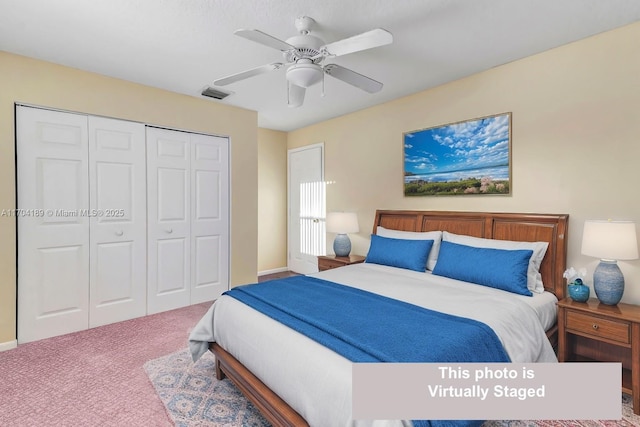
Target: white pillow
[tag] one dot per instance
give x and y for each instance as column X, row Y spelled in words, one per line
column 534, row 278
column 436, row 236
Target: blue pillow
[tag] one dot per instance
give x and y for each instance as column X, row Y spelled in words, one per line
column 409, row 254
column 497, row 268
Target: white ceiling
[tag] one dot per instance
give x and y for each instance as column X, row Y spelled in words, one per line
column 184, row 45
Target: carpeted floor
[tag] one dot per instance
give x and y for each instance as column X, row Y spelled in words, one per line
column 94, row 377
column 194, row 398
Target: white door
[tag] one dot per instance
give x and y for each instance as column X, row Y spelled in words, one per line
column 168, row 219
column 209, row 217
column 306, row 208
column 53, row 228
column 118, row 218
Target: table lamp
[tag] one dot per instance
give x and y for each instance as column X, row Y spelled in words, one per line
column 342, row 223
column 610, row 241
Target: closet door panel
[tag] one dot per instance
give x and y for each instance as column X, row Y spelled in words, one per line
column 210, row 217
column 117, row 214
column 53, row 233
column 168, row 215
column 171, row 266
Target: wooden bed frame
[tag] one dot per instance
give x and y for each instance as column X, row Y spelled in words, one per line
column 503, row 226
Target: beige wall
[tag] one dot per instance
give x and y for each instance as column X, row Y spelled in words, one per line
column 35, row 82
column 575, row 147
column 272, row 200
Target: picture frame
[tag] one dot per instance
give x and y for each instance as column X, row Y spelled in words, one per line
column 470, row 157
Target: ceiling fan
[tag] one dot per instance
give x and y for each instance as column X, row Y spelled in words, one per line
column 304, row 55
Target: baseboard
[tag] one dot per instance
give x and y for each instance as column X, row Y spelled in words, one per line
column 275, row 270
column 4, row 346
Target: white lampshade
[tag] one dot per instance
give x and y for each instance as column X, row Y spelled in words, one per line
column 342, row 222
column 610, row 240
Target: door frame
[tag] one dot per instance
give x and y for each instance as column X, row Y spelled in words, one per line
column 289, row 218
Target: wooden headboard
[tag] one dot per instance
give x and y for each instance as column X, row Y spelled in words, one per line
column 524, row 227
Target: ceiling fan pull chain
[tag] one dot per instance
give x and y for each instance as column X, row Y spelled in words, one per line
column 322, row 94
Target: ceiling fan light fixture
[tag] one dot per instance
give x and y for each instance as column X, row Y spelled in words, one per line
column 303, row 55
column 304, row 74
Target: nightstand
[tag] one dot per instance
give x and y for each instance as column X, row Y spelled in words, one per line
column 591, row 331
column 328, row 262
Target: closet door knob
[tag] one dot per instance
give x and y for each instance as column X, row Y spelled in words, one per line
column 119, row 233
column 169, row 230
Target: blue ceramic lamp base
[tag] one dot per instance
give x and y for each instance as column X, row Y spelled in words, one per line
column 342, row 245
column 608, row 282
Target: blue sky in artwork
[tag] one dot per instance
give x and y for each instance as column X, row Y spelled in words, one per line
column 474, row 144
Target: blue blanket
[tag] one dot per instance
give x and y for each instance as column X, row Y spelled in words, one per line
column 366, row 327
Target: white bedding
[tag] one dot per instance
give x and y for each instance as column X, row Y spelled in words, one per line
column 316, row 381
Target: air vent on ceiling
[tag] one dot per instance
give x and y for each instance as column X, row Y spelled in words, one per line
column 214, row 93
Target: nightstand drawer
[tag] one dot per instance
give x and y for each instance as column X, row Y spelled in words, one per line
column 598, row 327
column 329, row 264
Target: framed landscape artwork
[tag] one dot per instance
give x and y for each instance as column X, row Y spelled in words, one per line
column 464, row 158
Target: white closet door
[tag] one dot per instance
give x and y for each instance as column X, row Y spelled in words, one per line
column 53, row 232
column 168, row 228
column 117, row 179
column 209, row 217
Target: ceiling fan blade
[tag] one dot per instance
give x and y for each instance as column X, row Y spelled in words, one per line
column 355, row 79
column 264, row 39
column 295, row 95
column 248, row 73
column 368, row 40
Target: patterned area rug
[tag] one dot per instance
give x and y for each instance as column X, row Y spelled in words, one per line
column 629, row 419
column 194, row 398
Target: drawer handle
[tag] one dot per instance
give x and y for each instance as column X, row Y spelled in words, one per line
column 595, row 326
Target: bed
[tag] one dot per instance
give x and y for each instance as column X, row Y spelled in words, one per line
column 294, row 381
